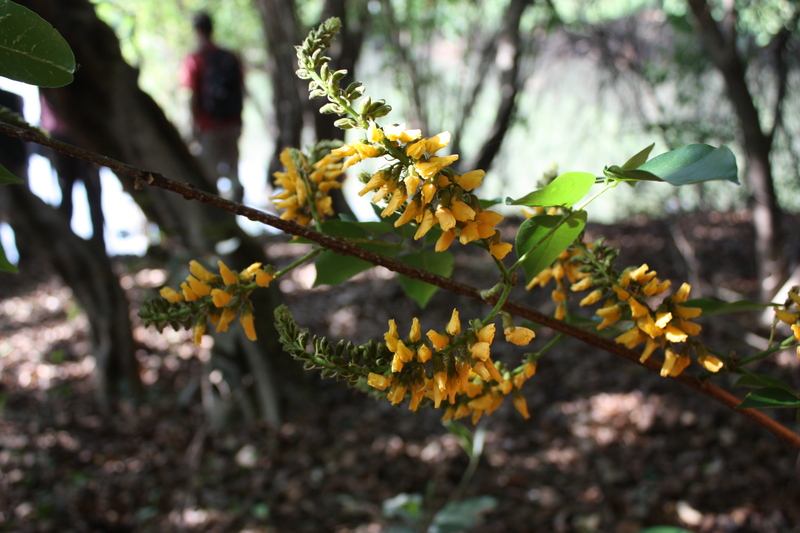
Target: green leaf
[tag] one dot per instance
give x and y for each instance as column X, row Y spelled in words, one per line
column 566, row 190
column 5, row 264
column 694, row 163
column 333, row 268
column 31, row 50
column 437, row 262
column 760, row 380
column 7, row 177
column 769, row 398
column 639, row 159
column 718, row 307
column 343, row 229
column 534, row 230
column 462, row 515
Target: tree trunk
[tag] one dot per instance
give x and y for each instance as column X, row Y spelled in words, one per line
column 721, row 45
column 108, row 112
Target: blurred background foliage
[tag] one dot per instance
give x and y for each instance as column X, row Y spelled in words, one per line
column 599, row 81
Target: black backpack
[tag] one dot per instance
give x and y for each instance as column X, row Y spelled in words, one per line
column 222, row 90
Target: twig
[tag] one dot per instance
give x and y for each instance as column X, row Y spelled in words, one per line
column 190, row 192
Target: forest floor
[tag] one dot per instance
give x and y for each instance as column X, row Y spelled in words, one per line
column 609, row 446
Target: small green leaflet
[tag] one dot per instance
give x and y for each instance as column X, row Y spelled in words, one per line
column 718, row 307
column 6, row 177
column 437, row 262
column 760, row 380
column 693, row 163
column 639, row 159
column 5, row 264
column 31, row 50
column 534, row 230
column 566, row 190
column 770, row 398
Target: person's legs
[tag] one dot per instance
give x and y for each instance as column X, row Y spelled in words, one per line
column 220, row 155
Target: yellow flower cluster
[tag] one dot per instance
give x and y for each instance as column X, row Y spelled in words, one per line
column 669, row 324
column 455, row 366
column 424, row 190
column 792, row 318
column 303, row 182
column 223, row 294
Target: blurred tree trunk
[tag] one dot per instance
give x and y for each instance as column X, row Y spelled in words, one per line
column 720, row 39
column 108, row 112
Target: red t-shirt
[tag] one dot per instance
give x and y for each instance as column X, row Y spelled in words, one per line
column 191, row 76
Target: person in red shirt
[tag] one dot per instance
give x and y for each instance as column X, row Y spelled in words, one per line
column 215, row 77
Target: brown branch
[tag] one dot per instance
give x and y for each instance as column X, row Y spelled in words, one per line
column 340, row 246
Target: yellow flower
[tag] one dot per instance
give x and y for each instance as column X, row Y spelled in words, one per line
column 609, row 314
column 198, row 332
column 469, row 233
column 674, row 363
column 264, row 278
column 470, row 180
column 786, row 316
column 220, row 297
column 424, row 353
column 171, row 295
column 521, row 404
column 462, row 211
column 377, row 181
column 649, row 347
column 637, row 309
column 592, row 298
column 631, row 338
column 481, row 349
column 445, row 240
column 415, row 334
column 200, row 288
column 428, row 220
column 687, row 312
column 439, row 341
column 225, row 319
column 796, row 331
column 433, row 165
column 582, row 285
column 682, row 294
column 248, row 324
column 228, row 276
column 391, row 336
column 445, row 217
column 409, row 214
column 397, row 393
column 188, row 293
column 200, row 272
column 710, row 363
column 454, row 326
column 399, row 133
column 501, row 249
column 378, row 381
column 519, row 336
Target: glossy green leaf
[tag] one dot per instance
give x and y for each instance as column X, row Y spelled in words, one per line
column 437, row 262
column 693, row 163
column 639, row 159
column 534, row 230
column 566, row 190
column 5, row 264
column 343, row 229
column 718, row 307
column 333, row 268
column 770, row 398
column 6, row 176
column 760, row 380
column 31, row 50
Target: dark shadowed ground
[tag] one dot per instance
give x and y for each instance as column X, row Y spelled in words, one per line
column 609, row 447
